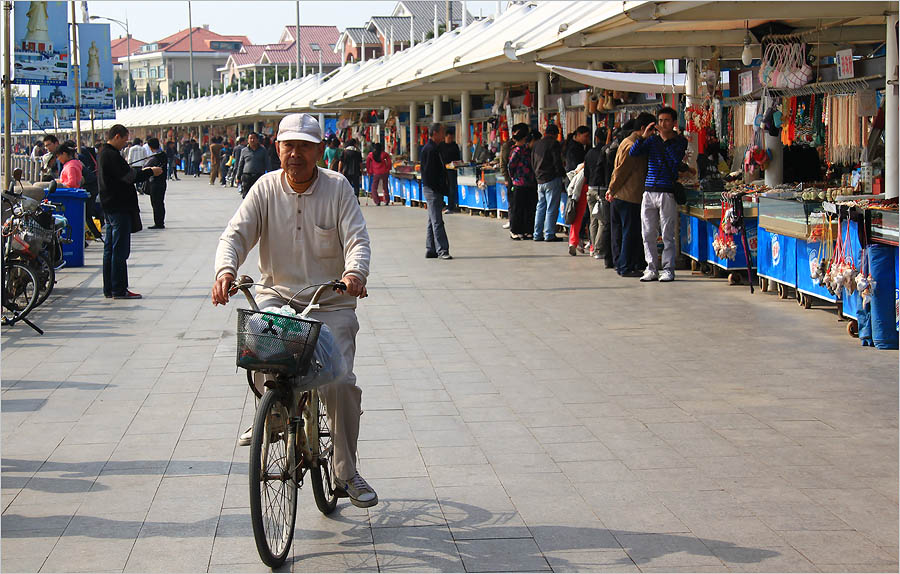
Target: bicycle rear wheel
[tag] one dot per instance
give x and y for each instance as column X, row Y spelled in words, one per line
column 273, row 484
column 321, row 473
column 19, row 290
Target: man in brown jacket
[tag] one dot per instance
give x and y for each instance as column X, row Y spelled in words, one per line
column 626, row 189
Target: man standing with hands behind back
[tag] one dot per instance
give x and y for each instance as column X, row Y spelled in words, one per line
column 434, row 186
column 118, row 197
column 310, row 230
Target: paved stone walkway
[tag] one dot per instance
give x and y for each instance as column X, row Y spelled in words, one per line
column 524, row 410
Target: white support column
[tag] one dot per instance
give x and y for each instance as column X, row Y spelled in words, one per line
column 692, row 91
column 254, row 77
column 891, row 158
column 436, row 109
column 463, row 136
column 543, row 86
column 322, row 122
column 413, row 144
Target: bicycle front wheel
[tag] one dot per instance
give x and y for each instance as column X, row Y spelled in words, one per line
column 19, row 290
column 273, row 484
column 46, row 276
column 321, row 471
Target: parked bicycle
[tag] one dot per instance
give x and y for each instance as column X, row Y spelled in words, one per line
column 33, row 235
column 291, row 439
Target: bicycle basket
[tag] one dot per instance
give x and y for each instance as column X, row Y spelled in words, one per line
column 36, row 234
column 273, row 343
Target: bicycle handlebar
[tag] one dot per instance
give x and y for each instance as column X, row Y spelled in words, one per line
column 245, row 282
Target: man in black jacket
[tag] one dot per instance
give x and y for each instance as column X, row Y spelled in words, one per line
column 548, row 169
column 434, row 186
column 120, row 204
column 157, row 185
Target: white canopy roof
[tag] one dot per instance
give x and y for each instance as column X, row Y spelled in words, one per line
column 626, row 82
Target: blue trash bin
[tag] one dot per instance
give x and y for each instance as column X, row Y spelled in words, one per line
column 74, row 203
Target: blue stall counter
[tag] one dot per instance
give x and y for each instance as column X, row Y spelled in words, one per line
column 693, row 237
column 740, row 259
column 776, row 257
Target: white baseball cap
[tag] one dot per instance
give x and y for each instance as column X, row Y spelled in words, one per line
column 299, row 127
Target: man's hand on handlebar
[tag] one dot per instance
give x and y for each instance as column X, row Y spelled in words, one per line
column 223, row 288
column 355, row 287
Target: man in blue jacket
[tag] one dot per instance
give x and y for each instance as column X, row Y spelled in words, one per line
column 665, row 149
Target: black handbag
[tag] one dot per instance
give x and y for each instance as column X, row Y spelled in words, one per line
column 136, row 224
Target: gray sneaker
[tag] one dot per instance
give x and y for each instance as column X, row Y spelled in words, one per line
column 358, row 490
column 649, row 276
column 666, row 276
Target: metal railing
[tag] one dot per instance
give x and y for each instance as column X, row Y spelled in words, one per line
column 30, row 170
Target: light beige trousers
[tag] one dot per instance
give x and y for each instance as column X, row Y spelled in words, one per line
column 342, row 399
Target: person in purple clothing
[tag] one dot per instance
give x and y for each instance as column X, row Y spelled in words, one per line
column 665, row 149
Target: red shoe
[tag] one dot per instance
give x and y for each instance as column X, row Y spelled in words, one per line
column 128, row 295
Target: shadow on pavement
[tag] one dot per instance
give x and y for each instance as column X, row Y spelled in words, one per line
column 430, row 545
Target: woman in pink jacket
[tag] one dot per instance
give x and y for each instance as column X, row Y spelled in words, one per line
column 378, row 165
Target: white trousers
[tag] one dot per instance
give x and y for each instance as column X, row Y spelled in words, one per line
column 659, row 210
column 343, row 399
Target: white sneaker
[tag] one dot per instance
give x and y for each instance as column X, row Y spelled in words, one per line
column 649, row 276
column 358, row 490
column 244, row 439
column 506, row 225
column 666, row 276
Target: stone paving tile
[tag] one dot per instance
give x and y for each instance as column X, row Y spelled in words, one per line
column 496, row 438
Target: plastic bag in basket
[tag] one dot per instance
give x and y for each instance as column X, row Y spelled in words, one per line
column 273, row 332
column 328, row 365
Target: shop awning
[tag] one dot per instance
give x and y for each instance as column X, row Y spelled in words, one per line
column 622, row 81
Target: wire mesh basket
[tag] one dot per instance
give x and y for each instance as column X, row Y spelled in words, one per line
column 273, row 343
column 37, row 231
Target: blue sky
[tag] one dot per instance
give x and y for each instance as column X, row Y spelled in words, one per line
column 261, row 20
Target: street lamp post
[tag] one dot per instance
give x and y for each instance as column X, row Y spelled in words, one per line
column 127, row 47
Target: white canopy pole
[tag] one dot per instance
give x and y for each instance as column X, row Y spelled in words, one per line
column 463, row 137
column 436, row 108
column 891, row 158
column 413, row 119
column 543, row 84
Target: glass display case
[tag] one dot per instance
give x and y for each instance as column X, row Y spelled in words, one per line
column 885, row 227
column 467, row 175
column 708, row 205
column 471, row 174
column 785, row 215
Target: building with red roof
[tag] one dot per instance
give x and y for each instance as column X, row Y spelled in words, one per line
column 162, row 63
column 252, row 61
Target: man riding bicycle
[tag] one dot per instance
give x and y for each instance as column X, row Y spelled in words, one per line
column 310, row 230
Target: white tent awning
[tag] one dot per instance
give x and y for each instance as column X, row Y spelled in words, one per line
column 625, row 82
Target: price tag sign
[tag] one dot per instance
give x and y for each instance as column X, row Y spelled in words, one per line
column 746, row 79
column 844, row 59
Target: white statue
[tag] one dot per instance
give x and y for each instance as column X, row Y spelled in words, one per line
column 93, row 67
column 37, row 38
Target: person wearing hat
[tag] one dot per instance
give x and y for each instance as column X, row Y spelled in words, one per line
column 310, row 230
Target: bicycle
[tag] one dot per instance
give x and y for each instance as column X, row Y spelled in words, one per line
column 290, row 438
column 23, row 282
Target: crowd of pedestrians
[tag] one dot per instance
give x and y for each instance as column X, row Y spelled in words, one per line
column 621, row 190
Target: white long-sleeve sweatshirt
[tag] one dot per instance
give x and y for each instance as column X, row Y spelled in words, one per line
column 304, row 239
